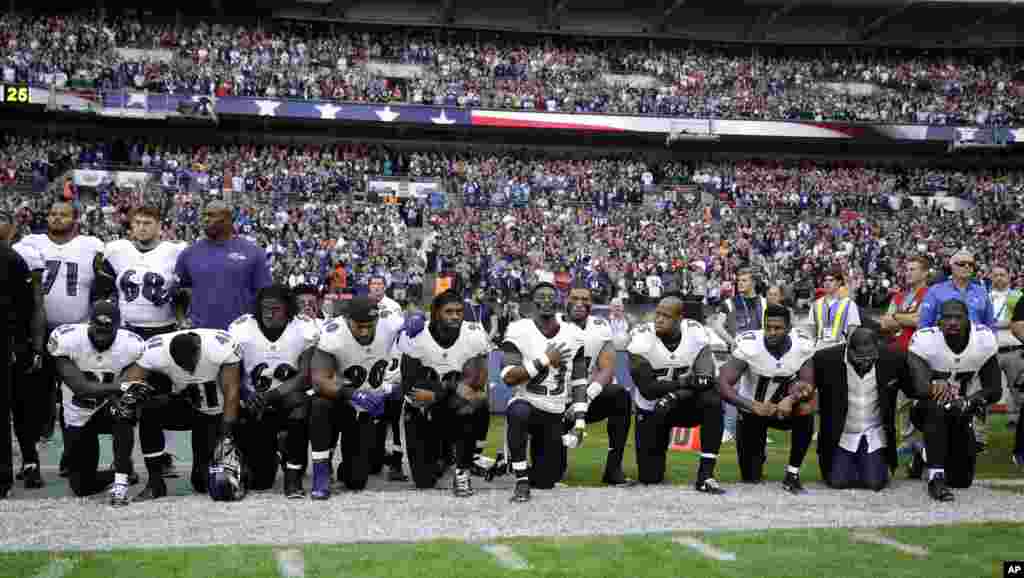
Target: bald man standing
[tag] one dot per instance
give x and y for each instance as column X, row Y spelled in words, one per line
column 221, row 274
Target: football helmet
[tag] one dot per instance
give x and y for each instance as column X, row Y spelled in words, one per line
column 226, row 474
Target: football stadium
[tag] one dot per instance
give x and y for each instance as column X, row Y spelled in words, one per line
column 668, row 288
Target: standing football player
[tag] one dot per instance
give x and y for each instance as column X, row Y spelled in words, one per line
column 90, row 359
column 204, row 370
column 28, row 344
column 601, row 399
column 354, row 370
column 276, row 348
column 140, row 271
column 542, row 359
column 444, row 379
column 957, row 363
column 72, row 262
column 777, row 391
column 674, row 369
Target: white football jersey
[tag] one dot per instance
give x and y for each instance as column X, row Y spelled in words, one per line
column 67, row 276
column 767, row 378
column 145, row 281
column 72, row 341
column 203, row 386
column 261, row 357
column 668, row 365
column 596, row 333
column 30, row 254
column 447, row 363
column 549, row 391
column 364, row 366
column 930, row 345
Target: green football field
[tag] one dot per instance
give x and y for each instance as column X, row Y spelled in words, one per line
column 938, row 551
column 954, row 550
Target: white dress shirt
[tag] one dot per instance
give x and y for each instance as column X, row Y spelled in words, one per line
column 863, row 413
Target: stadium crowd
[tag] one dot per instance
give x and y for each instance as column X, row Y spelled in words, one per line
column 546, row 74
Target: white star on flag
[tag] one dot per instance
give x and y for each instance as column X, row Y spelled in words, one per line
column 267, row 107
column 328, row 111
column 138, row 98
column 387, row 115
column 443, row 119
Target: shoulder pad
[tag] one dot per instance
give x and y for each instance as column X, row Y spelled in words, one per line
column 693, row 324
column 747, row 336
column 223, row 337
column 474, row 326
column 241, row 320
column 155, row 343
column 65, row 329
column 641, row 329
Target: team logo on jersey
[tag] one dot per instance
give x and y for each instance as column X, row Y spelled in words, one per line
column 273, row 347
column 234, row 256
column 444, row 355
column 671, row 355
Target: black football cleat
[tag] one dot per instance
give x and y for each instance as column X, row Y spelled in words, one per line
column 709, row 486
column 293, row 489
column 521, row 493
column 167, row 469
column 31, row 476
column 155, row 489
column 938, row 490
column 791, row 483
column 616, row 478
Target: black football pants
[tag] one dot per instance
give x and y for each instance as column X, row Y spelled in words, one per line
column 82, row 452
column 176, row 413
column 428, row 433
column 949, row 442
column 258, row 439
column 29, row 399
column 752, row 438
column 614, row 405
column 543, row 431
column 652, row 435
column 358, row 437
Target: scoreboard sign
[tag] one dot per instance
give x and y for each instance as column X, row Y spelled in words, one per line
column 15, row 94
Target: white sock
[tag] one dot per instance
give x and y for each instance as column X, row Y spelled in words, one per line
column 932, row 472
column 792, row 470
column 121, row 479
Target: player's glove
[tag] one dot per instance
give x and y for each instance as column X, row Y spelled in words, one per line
column 966, row 406
column 133, row 393
column 256, row 406
column 370, row 402
column 414, row 325
column 666, row 404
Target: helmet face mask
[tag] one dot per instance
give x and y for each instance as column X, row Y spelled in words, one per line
column 226, row 481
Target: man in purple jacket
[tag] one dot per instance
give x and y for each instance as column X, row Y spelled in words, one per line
column 221, row 274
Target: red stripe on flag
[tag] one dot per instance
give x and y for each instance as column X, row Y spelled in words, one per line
column 518, row 123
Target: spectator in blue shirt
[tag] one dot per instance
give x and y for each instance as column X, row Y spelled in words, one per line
column 959, row 286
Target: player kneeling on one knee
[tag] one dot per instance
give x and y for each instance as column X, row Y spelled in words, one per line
column 204, row 369
column 444, row 375
column 775, row 371
column 277, row 345
column 543, row 358
column 600, row 399
column 90, row 359
column 673, row 369
column 355, row 370
column 957, row 363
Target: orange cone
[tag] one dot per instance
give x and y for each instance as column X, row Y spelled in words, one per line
column 685, row 439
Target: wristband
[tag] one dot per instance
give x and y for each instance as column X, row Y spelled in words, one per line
column 594, row 390
column 580, row 407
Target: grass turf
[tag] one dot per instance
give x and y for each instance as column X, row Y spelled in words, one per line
column 955, row 551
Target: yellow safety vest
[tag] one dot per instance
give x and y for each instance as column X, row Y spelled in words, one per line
column 838, row 323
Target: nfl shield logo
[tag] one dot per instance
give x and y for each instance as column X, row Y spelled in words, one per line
column 444, row 355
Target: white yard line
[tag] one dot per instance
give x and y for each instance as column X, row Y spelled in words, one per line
column 875, row 537
column 506, row 557
column 290, row 563
column 57, row 568
column 706, row 550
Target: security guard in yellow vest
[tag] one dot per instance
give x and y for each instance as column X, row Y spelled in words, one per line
column 832, row 316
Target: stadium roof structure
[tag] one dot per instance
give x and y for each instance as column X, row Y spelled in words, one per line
column 941, row 23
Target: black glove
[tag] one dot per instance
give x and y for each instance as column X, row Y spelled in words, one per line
column 966, row 406
column 256, row 406
column 665, row 405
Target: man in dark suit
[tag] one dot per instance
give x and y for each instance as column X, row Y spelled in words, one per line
column 857, row 385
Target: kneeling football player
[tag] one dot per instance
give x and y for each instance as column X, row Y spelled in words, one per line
column 354, row 372
column 444, row 377
column 204, row 369
column 543, row 357
column 276, row 348
column 602, row 399
column 90, row 357
column 777, row 391
column 673, row 369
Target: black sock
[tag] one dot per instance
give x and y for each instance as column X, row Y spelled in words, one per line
column 707, row 468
